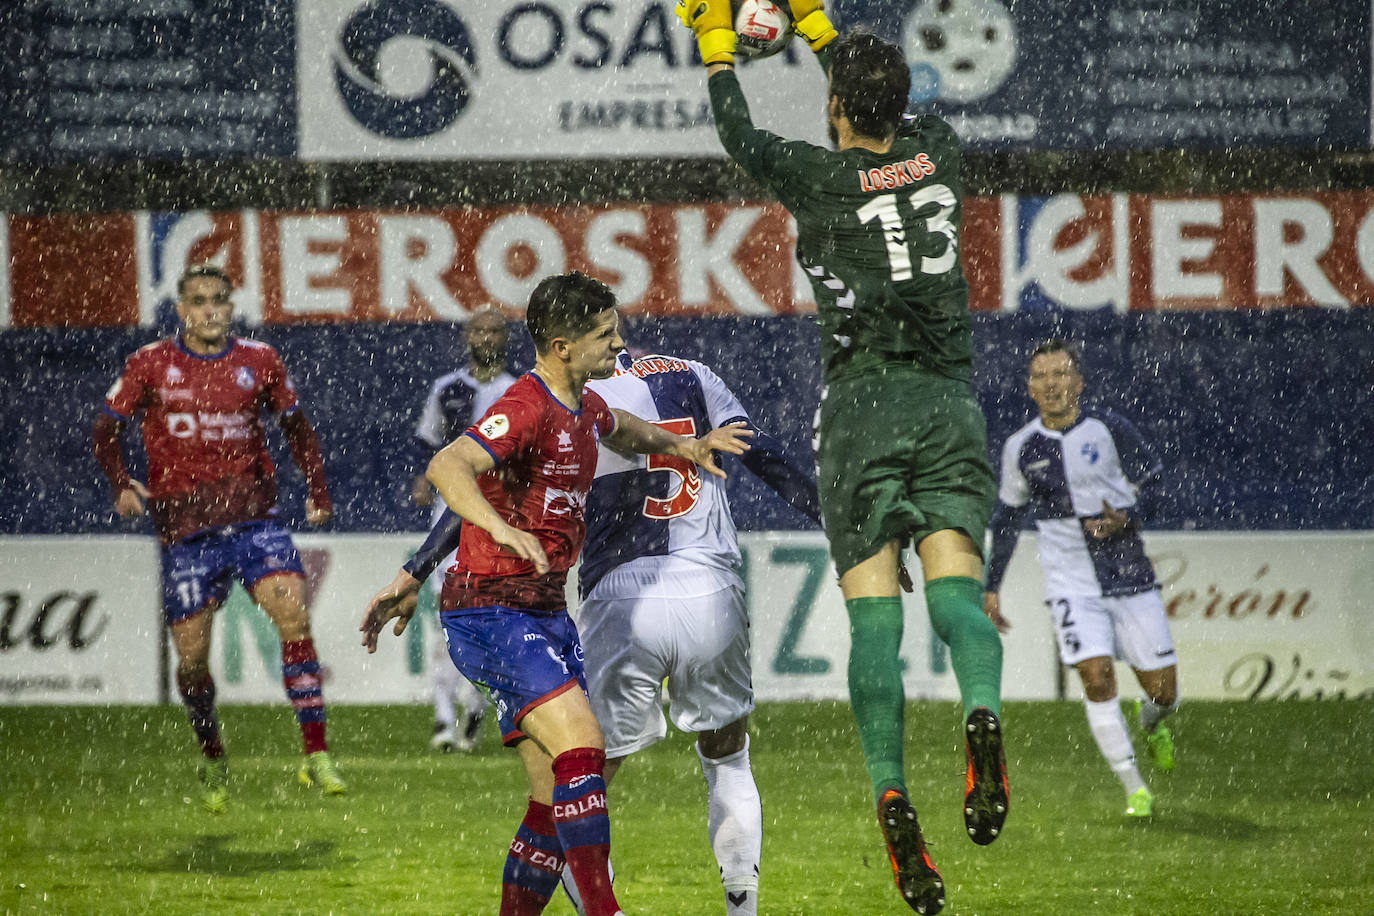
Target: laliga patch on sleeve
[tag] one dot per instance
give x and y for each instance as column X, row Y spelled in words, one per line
column 495, row 426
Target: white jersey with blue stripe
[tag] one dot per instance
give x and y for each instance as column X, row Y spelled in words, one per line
column 655, row 505
column 1064, row 477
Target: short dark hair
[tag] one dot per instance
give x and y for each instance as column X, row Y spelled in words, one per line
column 1056, row 345
column 202, row 270
column 566, row 305
column 871, row 79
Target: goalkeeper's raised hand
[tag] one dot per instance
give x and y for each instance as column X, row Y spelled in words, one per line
column 714, row 28
column 810, row 22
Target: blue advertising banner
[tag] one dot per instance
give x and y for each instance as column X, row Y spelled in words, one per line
column 90, row 80
column 1135, row 74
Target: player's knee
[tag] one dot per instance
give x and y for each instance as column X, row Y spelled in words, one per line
column 1099, row 680
column 1165, row 695
column 722, row 742
column 294, row 629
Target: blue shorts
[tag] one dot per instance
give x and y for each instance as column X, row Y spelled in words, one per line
column 198, row 571
column 520, row 659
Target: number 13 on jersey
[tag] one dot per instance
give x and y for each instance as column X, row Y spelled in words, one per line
column 885, row 208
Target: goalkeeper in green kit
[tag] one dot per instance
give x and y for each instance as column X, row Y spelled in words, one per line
column 902, row 453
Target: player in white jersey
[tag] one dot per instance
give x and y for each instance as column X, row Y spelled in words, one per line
column 454, row 403
column 1079, row 471
column 662, row 598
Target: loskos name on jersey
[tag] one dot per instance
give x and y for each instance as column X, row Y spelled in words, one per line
column 762, row 27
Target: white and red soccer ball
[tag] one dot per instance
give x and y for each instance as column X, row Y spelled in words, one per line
column 762, row 27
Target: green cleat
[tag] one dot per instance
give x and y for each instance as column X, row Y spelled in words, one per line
column 319, row 768
column 1140, row 803
column 214, row 778
column 1161, row 744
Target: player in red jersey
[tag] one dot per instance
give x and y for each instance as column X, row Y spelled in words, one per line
column 519, row 479
column 212, row 492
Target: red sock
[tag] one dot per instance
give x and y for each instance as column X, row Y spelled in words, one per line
column 533, row 865
column 584, row 827
column 300, row 672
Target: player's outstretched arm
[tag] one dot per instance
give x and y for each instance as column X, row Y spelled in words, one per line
column 768, row 461
column 454, row 472
column 395, row 602
column 632, row 434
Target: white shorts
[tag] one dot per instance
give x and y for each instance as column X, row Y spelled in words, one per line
column 1133, row 628
column 659, row 617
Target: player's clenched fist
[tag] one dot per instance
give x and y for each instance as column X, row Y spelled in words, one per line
column 714, row 28
column 810, row 22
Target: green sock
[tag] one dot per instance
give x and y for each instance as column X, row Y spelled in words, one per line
column 955, row 604
column 875, row 688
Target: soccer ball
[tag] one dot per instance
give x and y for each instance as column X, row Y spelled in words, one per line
column 762, row 27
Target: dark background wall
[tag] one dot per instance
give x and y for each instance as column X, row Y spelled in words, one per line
column 1264, row 418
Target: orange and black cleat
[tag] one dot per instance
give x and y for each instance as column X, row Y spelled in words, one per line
column 919, row 883
column 986, row 796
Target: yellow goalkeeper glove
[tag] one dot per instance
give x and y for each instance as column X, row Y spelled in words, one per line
column 810, row 22
column 714, row 28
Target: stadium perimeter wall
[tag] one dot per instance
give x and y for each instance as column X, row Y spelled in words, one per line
column 1256, row 617
column 1263, row 417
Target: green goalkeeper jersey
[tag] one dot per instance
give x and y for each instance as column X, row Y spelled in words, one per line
column 877, row 234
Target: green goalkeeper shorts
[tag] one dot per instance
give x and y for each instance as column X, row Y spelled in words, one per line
column 902, row 454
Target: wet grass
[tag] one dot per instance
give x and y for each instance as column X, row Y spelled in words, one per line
column 1270, row 810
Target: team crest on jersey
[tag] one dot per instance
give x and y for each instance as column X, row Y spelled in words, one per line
column 563, row 502
column 244, row 378
column 494, row 427
column 1090, row 452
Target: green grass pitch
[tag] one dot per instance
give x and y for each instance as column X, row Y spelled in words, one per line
column 1270, row 810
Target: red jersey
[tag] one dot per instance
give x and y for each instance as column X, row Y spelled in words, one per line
column 545, row 461
column 202, row 429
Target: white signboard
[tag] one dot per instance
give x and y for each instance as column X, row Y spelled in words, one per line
column 342, row 573
column 1265, row 616
column 79, row 620
column 427, row 79
column 800, row 628
column 1254, row 616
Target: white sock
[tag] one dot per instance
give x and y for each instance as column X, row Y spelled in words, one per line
column 469, row 697
column 1108, row 726
column 734, row 819
column 445, row 678
column 1151, row 713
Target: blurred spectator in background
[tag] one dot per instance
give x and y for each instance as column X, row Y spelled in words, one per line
column 454, row 403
